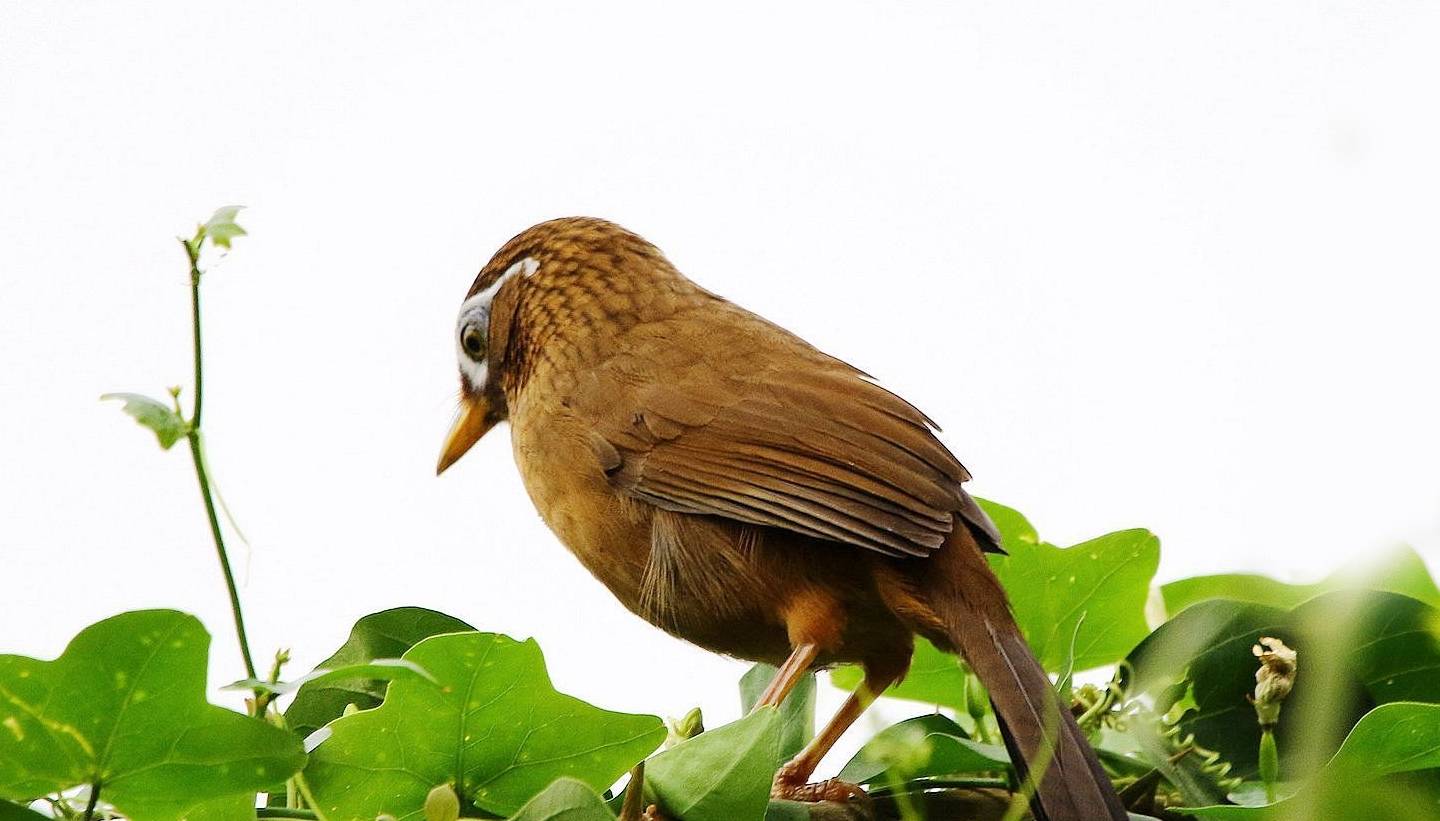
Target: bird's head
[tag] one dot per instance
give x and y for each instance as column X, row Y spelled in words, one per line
column 567, row 260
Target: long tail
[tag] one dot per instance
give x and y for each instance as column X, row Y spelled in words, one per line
column 976, row 620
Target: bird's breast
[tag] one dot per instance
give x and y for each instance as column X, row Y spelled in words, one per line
column 608, row 533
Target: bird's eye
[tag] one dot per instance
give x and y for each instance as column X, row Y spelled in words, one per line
column 473, row 340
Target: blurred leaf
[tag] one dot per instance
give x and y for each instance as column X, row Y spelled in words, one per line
column 495, row 728
column 1401, row 571
column 1355, row 650
column 565, row 800
column 797, row 713
column 221, row 228
column 126, row 703
column 15, row 812
column 720, row 775
column 921, row 747
column 159, row 417
column 386, row 634
column 377, row 670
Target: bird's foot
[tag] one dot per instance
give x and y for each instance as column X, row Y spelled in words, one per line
column 792, row 785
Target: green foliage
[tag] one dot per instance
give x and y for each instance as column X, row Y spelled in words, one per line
column 1401, row 571
column 163, row 420
column 1393, row 738
column 720, row 775
column 565, row 800
column 386, row 634
column 922, row 747
column 797, row 714
column 1357, row 648
column 491, row 725
column 418, row 716
column 124, row 706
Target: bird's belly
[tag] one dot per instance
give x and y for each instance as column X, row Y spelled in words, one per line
column 726, row 597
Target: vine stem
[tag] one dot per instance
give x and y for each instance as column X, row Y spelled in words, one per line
column 197, row 455
column 94, row 799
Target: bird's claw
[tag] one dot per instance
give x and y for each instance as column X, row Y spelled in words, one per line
column 790, row 786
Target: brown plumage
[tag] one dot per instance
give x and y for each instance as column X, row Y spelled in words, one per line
column 742, row 490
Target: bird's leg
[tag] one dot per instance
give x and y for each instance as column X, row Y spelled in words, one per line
column 789, row 675
column 792, row 781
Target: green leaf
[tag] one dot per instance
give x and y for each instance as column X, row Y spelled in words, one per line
column 921, row 747
column 721, row 774
column 125, row 703
column 377, row 670
column 386, row 634
column 565, row 800
column 1090, row 596
column 495, row 728
column 162, row 419
column 1393, row 738
column 1356, row 649
column 1401, row 571
column 797, row 713
column 221, row 228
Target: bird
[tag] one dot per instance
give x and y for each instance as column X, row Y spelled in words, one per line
column 744, row 491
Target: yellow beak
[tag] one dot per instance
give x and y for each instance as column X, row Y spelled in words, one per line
column 476, row 418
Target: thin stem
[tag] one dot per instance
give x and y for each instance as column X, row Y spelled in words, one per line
column 94, row 799
column 197, row 455
column 304, row 787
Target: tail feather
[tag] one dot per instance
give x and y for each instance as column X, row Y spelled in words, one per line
column 1039, row 731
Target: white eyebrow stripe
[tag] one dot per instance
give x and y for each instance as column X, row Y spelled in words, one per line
column 477, row 309
column 525, row 267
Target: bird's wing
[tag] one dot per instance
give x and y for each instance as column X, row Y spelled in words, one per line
column 740, row 419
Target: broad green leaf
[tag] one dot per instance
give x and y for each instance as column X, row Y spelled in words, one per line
column 720, row 775
column 1090, row 597
column 495, row 728
column 921, row 747
column 1402, row 571
column 221, row 227
column 386, row 634
column 934, row 678
column 377, row 670
column 797, row 713
column 125, row 703
column 1393, row 738
column 565, row 800
column 159, row 417
column 1356, row 649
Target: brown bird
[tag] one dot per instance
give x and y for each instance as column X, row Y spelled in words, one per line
column 744, row 491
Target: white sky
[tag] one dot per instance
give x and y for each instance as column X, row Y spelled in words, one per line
column 1148, row 264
